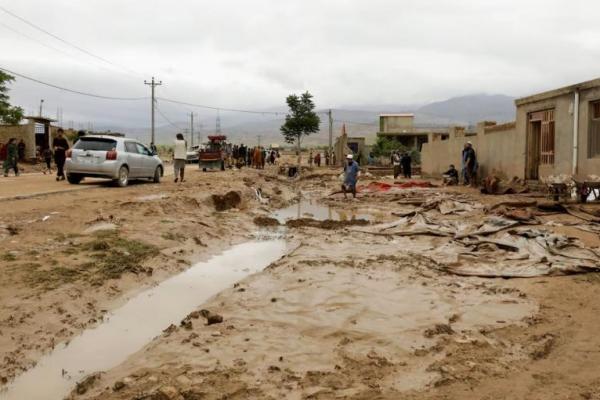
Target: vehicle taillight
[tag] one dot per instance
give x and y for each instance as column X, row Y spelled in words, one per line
column 111, row 155
column 69, row 152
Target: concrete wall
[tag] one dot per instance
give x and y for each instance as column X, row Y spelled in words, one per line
column 25, row 132
column 498, row 148
column 396, row 123
column 586, row 166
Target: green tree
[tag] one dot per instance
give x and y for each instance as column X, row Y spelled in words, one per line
column 385, row 146
column 8, row 114
column 301, row 121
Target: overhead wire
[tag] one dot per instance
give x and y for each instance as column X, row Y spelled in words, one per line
column 165, row 117
column 221, row 108
column 72, row 90
column 81, row 49
column 72, row 56
column 35, row 40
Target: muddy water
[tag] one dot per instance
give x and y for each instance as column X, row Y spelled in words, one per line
column 142, row 318
column 307, row 208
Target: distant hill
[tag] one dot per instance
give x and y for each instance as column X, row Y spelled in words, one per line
column 469, row 109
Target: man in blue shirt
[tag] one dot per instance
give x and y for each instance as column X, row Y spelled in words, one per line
column 350, row 176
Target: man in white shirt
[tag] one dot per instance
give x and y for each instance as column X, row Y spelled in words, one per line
column 179, row 157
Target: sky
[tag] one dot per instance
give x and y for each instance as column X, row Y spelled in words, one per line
column 251, row 54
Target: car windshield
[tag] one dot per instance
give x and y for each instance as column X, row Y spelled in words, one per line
column 98, row 144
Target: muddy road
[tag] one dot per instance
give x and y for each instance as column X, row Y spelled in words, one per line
column 419, row 293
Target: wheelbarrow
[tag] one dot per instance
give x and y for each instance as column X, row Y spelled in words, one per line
column 586, row 188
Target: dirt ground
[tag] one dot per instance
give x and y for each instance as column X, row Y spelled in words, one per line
column 369, row 306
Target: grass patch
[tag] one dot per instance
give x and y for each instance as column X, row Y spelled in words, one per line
column 9, row 257
column 52, row 278
column 108, row 256
column 178, row 237
column 114, row 256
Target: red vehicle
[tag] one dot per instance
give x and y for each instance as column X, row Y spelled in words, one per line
column 212, row 156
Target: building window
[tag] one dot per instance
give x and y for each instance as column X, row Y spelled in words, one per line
column 594, row 130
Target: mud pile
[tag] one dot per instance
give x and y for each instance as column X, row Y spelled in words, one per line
column 227, row 201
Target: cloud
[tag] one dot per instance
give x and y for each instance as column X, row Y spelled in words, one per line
column 252, row 53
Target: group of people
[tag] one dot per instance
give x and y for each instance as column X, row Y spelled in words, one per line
column 12, row 153
column 256, row 157
column 402, row 164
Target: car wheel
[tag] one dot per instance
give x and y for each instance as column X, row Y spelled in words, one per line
column 74, row 179
column 157, row 175
column 123, row 178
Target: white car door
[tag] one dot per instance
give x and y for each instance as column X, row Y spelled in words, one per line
column 134, row 159
column 147, row 159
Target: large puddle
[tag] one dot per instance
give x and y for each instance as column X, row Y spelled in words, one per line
column 307, row 208
column 142, row 318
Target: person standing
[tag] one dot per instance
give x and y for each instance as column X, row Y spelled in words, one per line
column 470, row 160
column 406, row 162
column 318, row 159
column 21, row 150
column 350, row 176
column 396, row 163
column 179, row 157
column 47, row 155
column 60, row 146
column 310, row 158
column 12, row 154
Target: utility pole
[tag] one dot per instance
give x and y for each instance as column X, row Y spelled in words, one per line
column 218, row 127
column 330, row 134
column 152, row 84
column 192, row 128
column 259, row 140
column 41, row 104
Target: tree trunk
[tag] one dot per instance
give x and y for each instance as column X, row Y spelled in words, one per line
column 299, row 154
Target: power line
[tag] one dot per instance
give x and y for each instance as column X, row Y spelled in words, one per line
column 166, row 118
column 89, row 53
column 277, row 113
column 221, row 108
column 357, row 123
column 72, row 56
column 71, row 90
column 35, row 40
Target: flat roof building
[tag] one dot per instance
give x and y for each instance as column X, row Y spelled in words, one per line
column 554, row 132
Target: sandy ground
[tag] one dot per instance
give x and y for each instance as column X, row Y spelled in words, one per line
column 346, row 315
column 68, row 258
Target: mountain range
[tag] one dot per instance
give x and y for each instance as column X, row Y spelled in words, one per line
column 359, row 120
